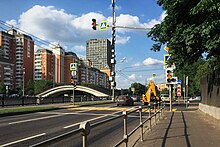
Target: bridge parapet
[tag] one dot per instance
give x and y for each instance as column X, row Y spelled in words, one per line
column 70, row 87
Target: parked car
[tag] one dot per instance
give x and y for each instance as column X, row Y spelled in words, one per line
column 197, row 98
column 124, row 100
column 136, row 98
column 165, row 97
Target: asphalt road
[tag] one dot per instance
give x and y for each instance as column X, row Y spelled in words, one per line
column 29, row 129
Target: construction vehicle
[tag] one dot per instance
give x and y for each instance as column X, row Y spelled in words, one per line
column 151, row 94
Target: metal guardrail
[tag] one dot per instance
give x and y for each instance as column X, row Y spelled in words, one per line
column 85, row 126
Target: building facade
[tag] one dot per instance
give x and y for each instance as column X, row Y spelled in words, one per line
column 44, row 65
column 17, row 58
column 47, row 62
column 99, row 53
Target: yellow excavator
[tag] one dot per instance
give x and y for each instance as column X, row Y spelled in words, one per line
column 151, row 94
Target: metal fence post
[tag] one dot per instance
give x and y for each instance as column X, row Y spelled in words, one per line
column 85, row 132
column 22, row 100
column 124, row 113
column 149, row 116
column 141, row 122
column 155, row 112
column 3, row 101
column 158, row 107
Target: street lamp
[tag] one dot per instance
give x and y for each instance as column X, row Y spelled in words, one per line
column 23, row 79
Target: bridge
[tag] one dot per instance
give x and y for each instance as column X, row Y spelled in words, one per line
column 59, row 89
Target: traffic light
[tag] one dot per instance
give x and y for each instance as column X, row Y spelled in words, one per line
column 170, row 79
column 94, row 24
column 169, row 75
column 72, row 81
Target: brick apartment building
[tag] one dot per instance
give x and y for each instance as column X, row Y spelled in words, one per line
column 16, row 58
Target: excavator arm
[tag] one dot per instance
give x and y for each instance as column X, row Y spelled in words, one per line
column 151, row 94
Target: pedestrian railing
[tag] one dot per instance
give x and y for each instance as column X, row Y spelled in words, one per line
column 85, row 127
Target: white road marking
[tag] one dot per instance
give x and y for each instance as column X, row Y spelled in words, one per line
column 24, row 139
column 63, row 112
column 40, row 118
column 90, row 119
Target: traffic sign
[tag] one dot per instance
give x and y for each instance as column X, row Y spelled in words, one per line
column 166, row 48
column 103, row 25
column 166, row 58
column 73, row 66
column 179, row 82
column 178, row 89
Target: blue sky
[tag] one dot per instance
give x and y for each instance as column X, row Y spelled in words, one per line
column 69, row 23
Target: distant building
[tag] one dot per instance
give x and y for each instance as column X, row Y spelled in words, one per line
column 162, row 87
column 16, row 57
column 69, row 58
column 99, row 53
column 44, row 65
column 49, row 64
column 54, row 65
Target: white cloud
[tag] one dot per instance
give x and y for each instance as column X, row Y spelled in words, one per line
column 52, row 24
column 122, row 39
column 136, row 64
column 151, row 61
column 132, row 77
column 163, row 15
column 12, row 22
column 79, row 48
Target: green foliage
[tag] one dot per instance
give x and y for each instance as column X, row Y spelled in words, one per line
column 139, row 89
column 2, row 88
column 190, row 29
column 40, row 86
column 29, row 89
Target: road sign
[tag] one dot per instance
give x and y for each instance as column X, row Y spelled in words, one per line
column 73, row 66
column 179, row 82
column 166, row 48
column 166, row 58
column 103, row 25
column 178, row 89
column 73, row 73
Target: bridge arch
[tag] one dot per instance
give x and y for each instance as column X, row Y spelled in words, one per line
column 69, row 88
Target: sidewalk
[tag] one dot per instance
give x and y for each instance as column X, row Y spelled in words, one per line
column 184, row 128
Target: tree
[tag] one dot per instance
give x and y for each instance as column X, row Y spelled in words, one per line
column 2, row 88
column 190, row 30
column 40, row 86
column 29, row 89
column 139, row 89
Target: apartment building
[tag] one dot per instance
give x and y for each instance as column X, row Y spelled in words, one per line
column 69, row 58
column 46, row 68
column 89, row 74
column 44, row 65
column 7, row 59
column 16, row 58
column 99, row 53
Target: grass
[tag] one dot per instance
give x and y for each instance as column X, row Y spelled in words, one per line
column 37, row 108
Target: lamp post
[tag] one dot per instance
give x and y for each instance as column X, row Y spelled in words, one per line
column 23, row 79
column 113, row 83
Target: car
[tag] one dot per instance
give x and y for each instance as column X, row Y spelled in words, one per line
column 124, row 100
column 196, row 98
column 136, row 98
column 165, row 97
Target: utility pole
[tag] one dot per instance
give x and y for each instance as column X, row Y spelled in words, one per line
column 113, row 83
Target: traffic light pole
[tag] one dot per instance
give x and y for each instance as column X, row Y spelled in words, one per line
column 170, row 95
column 113, row 51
